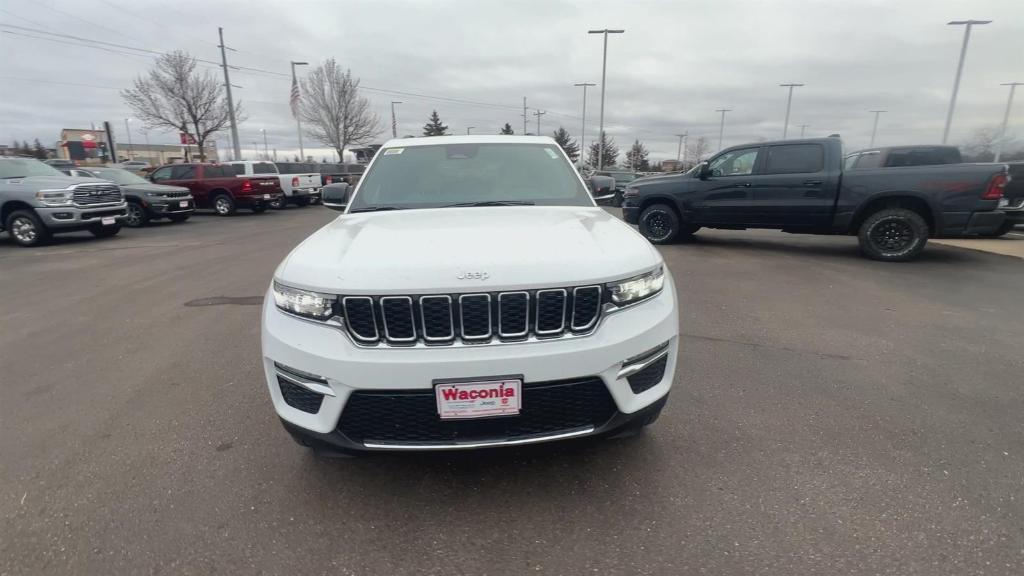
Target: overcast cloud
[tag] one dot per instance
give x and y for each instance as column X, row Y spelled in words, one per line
column 676, row 63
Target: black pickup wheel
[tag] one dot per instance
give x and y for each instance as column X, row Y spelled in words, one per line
column 659, row 224
column 893, row 235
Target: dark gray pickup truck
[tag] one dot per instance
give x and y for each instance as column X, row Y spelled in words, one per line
column 799, row 186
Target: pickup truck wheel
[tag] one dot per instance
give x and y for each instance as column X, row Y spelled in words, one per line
column 223, row 205
column 1006, row 227
column 137, row 216
column 105, row 231
column 893, row 235
column 659, row 224
column 26, row 229
column 278, row 203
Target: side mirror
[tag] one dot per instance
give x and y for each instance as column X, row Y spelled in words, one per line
column 704, row 172
column 335, row 196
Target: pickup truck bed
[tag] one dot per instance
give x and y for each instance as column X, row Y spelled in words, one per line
column 799, row 186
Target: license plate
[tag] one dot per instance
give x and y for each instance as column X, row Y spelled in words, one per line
column 108, row 220
column 183, row 203
column 481, row 399
column 266, row 196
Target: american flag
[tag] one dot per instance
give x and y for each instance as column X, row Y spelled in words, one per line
column 294, row 101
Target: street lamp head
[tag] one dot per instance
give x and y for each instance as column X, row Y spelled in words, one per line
column 294, row 63
column 584, row 84
column 605, row 31
column 790, row 84
column 968, row 22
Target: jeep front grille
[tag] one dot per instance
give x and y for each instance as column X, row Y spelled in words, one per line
column 474, row 318
column 93, row 194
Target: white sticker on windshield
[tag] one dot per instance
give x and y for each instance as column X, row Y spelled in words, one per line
column 551, row 153
column 391, row 151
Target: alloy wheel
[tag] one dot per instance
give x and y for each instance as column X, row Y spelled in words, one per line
column 892, row 235
column 24, row 230
column 659, row 225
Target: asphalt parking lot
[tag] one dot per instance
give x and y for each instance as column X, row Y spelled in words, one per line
column 831, row 415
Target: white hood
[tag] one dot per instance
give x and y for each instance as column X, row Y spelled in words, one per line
column 426, row 251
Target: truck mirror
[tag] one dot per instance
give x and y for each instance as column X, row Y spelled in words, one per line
column 705, row 171
column 335, row 196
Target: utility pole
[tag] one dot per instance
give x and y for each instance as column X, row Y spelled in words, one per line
column 959, row 69
column 394, row 123
column 1006, row 118
column 583, row 124
column 803, row 127
column 538, row 114
column 721, row 125
column 874, row 129
column 255, row 150
column 679, row 151
column 604, row 70
column 235, row 144
column 469, row 130
column 295, row 99
column 525, row 117
column 266, row 152
column 789, row 102
column 129, row 131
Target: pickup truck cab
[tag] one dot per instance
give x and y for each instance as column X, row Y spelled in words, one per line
column 216, row 186
column 472, row 295
column 800, row 186
column 299, row 188
column 37, row 201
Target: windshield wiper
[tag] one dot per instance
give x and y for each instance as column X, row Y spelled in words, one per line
column 375, row 209
column 490, row 203
column 12, row 177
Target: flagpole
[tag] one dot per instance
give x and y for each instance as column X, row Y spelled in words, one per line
column 295, row 104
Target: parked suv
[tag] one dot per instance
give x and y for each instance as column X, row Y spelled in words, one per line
column 148, row 201
column 472, row 295
column 37, row 201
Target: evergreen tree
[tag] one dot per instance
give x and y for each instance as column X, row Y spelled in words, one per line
column 571, row 148
column 434, row 127
column 25, row 149
column 38, row 150
column 611, row 152
column 636, row 158
column 507, row 129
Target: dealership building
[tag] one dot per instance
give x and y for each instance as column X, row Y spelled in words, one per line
column 90, row 147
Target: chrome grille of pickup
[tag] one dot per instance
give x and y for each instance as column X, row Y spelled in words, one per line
column 475, row 318
column 91, row 194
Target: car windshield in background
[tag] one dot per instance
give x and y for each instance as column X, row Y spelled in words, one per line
column 118, row 176
column 440, row 175
column 22, row 167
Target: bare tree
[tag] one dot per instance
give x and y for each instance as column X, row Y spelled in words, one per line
column 175, row 96
column 334, row 112
column 698, row 148
column 981, row 145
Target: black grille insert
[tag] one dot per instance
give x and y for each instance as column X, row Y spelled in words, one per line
column 360, row 320
column 550, row 311
column 476, row 316
column 436, row 315
column 410, row 416
column 648, row 377
column 300, row 398
column 399, row 322
column 586, row 305
column 514, row 314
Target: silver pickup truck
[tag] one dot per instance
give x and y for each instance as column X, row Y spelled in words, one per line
column 37, row 201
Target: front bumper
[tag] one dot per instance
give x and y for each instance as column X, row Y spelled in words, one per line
column 169, row 207
column 349, row 371
column 77, row 218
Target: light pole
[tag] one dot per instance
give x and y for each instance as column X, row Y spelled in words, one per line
column 538, row 114
column 1006, row 118
column 127, row 129
column 255, row 150
column 266, row 151
column 874, row 129
column 604, row 69
column 469, row 130
column 959, row 69
column 583, row 124
column 679, row 150
column 394, row 123
column 721, row 125
column 803, row 127
column 295, row 101
column 789, row 102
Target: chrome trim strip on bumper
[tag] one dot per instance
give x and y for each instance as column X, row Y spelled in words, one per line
column 628, row 370
column 318, row 387
column 482, row 443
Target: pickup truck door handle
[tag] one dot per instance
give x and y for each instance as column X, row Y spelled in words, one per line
column 810, row 183
column 744, row 185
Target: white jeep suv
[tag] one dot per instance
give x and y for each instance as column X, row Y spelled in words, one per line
column 471, row 295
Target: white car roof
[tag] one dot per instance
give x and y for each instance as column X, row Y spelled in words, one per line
column 470, row 139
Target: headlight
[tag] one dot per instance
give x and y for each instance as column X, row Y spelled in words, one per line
column 56, row 197
column 303, row 302
column 638, row 287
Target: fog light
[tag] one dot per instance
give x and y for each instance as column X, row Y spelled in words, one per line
column 63, row 215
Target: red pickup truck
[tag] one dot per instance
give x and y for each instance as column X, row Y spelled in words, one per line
column 216, row 186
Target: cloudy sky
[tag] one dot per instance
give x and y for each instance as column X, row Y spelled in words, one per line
column 474, row 61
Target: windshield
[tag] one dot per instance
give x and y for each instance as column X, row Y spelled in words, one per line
column 118, row 176
column 444, row 174
column 22, row 167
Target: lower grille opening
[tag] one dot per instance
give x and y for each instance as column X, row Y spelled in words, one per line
column 300, row 398
column 648, row 377
column 410, row 416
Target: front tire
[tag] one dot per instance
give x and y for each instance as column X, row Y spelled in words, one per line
column 893, row 235
column 105, row 231
column 137, row 217
column 26, row 229
column 659, row 224
column 223, row 205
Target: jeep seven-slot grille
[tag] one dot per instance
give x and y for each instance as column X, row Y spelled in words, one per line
column 473, row 318
column 90, row 194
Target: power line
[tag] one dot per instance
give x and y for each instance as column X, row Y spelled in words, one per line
column 89, row 22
